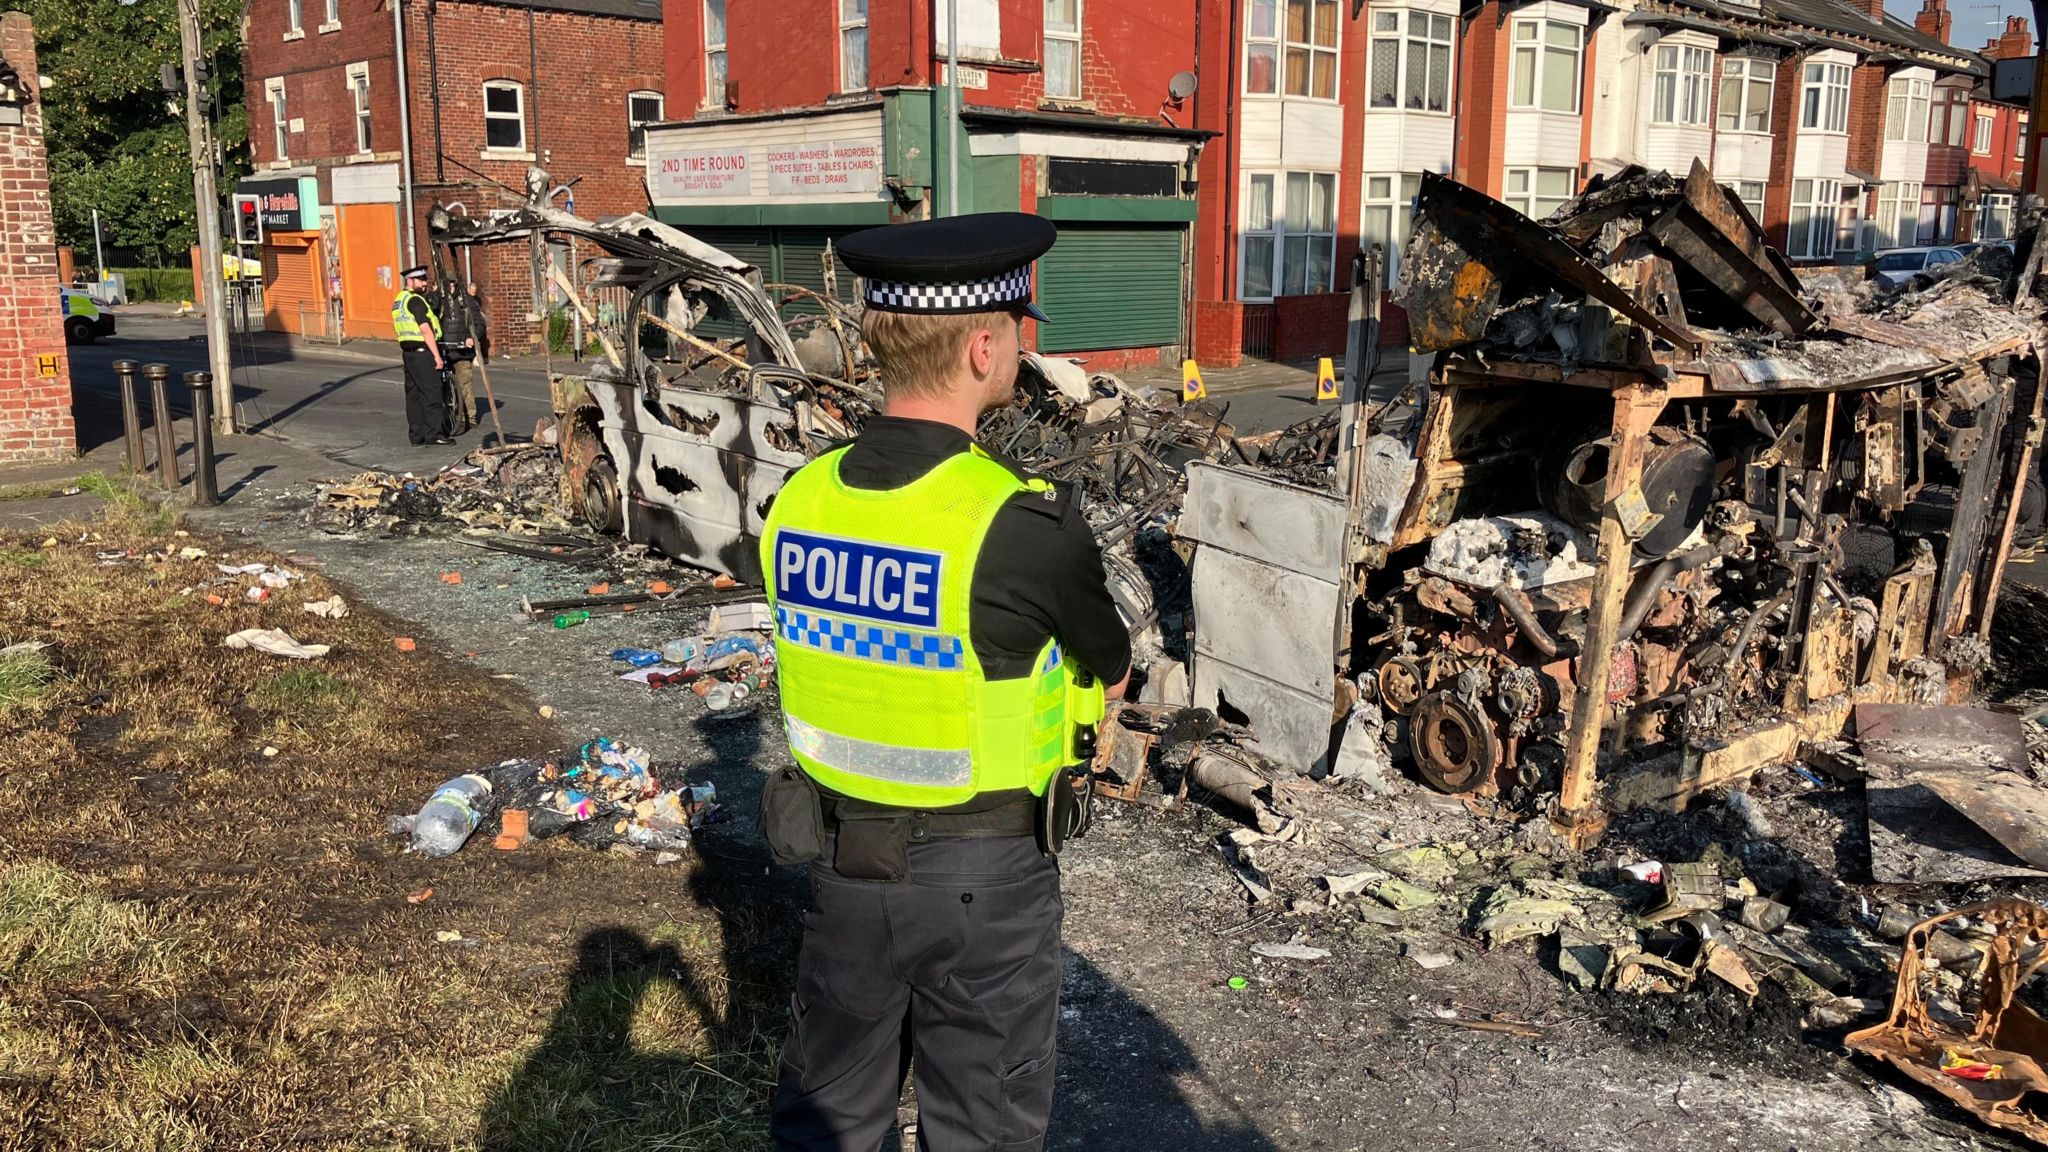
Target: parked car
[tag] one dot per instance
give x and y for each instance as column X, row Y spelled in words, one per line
column 1970, row 247
column 1899, row 265
column 84, row 320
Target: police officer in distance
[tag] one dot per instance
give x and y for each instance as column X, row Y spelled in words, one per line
column 944, row 634
column 419, row 345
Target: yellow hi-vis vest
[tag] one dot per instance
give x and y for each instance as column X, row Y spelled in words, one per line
column 409, row 329
column 883, row 697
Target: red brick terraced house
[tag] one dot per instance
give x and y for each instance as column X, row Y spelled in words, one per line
column 362, row 119
column 1997, row 143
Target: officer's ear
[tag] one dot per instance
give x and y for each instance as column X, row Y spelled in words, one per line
column 981, row 348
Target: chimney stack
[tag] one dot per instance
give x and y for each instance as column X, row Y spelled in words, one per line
column 1934, row 19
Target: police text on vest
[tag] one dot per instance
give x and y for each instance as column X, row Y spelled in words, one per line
column 858, row 578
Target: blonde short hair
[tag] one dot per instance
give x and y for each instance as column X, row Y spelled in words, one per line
column 919, row 352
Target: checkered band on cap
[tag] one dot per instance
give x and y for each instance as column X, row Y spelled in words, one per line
column 1012, row 287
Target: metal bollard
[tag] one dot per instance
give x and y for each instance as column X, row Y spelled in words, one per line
column 205, row 493
column 131, row 416
column 159, row 376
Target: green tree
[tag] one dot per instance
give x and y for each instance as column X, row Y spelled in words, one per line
column 116, row 139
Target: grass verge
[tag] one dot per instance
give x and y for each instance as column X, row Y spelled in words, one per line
column 204, row 946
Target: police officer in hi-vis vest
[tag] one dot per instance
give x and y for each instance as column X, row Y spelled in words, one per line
column 946, row 640
column 419, row 345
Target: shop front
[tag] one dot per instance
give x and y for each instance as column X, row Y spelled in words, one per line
column 294, row 286
column 366, row 206
column 775, row 190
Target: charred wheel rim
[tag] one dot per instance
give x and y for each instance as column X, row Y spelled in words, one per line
column 601, row 497
column 1454, row 743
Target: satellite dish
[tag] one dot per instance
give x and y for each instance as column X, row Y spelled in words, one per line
column 1181, row 86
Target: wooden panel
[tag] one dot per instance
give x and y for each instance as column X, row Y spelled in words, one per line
column 1294, row 528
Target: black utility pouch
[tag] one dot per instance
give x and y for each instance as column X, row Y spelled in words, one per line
column 874, row 848
column 792, row 817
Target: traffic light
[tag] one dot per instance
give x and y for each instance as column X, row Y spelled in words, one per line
column 249, row 220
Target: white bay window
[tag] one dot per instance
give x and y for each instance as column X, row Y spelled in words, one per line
column 1288, row 245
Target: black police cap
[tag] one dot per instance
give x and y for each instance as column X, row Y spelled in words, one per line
column 952, row 265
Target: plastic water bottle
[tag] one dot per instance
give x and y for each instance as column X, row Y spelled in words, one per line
column 450, row 815
column 570, row 619
column 680, row 652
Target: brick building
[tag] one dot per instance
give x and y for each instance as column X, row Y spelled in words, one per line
column 798, row 123
column 489, row 88
column 35, row 373
column 1998, row 142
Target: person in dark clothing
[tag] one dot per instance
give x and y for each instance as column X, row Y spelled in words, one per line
column 459, row 345
column 945, row 641
column 419, row 345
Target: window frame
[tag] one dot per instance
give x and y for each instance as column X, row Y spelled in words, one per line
column 1893, row 200
column 1822, row 206
column 518, row 91
column 1405, row 42
column 1828, row 95
column 714, row 93
column 1403, row 189
column 363, row 109
column 1531, row 195
column 1063, row 37
column 1756, row 205
column 1281, row 44
column 1746, row 72
column 1953, row 108
column 1998, row 207
column 636, row 125
column 2019, row 143
column 1540, row 49
column 280, row 118
column 1981, row 143
column 847, row 57
column 1907, row 109
column 331, row 10
column 1283, row 233
column 1687, row 101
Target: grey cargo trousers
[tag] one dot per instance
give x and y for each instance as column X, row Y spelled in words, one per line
column 958, row 966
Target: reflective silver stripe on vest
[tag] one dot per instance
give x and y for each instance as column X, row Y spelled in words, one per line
column 927, row 767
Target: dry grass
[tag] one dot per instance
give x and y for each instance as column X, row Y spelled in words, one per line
column 205, row 948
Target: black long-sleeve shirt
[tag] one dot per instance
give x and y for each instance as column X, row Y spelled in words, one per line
column 1040, row 573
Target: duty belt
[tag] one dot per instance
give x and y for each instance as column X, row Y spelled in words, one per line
column 1018, row 818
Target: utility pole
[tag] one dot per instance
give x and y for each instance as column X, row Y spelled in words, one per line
column 206, row 202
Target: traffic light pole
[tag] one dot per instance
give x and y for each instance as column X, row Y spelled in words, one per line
column 206, row 201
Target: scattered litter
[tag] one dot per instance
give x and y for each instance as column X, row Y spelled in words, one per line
column 451, row 577
column 448, row 936
column 275, row 642
column 419, row 897
column 332, row 608
column 1291, row 951
column 404, row 643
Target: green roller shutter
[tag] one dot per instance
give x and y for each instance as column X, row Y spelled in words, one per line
column 756, row 247
column 784, row 256
column 801, row 253
column 1110, row 288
